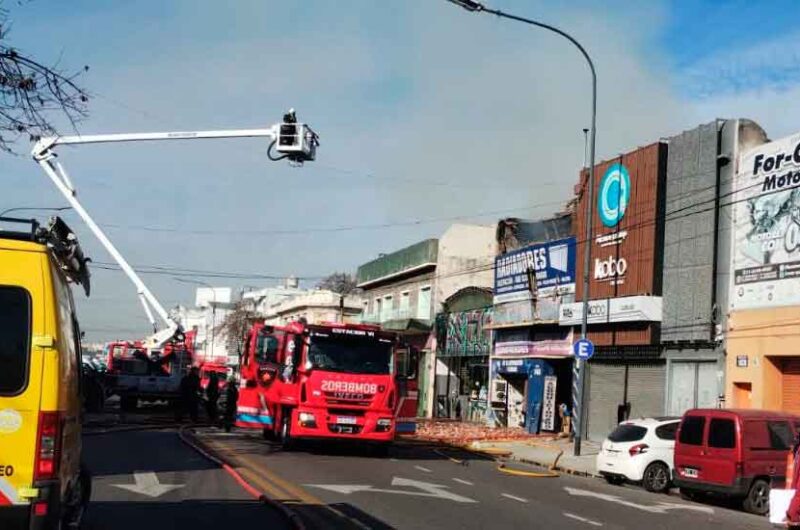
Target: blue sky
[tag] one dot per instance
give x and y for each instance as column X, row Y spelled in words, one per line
column 426, row 112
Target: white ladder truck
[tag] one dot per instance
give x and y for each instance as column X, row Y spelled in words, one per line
column 293, row 141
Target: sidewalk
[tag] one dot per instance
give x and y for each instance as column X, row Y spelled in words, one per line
column 546, row 452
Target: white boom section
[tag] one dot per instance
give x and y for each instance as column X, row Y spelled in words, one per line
column 46, row 158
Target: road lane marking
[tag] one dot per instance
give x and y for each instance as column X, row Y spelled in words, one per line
column 278, row 481
column 146, row 483
column 582, row 519
column 462, row 481
column 661, row 507
column 264, row 478
column 275, row 486
column 424, row 489
column 266, row 487
column 425, row 469
column 514, row 497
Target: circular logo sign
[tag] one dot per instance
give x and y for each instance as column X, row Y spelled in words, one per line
column 10, row 421
column 614, row 195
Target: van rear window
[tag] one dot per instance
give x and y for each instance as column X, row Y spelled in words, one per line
column 15, row 339
column 691, row 432
column 722, row 433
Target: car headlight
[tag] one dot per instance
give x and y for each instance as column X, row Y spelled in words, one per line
column 384, row 424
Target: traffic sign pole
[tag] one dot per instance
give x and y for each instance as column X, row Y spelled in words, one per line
column 583, row 350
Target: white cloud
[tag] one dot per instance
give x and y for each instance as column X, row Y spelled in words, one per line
column 771, row 66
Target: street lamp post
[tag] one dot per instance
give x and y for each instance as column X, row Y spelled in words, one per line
column 213, row 305
column 580, row 366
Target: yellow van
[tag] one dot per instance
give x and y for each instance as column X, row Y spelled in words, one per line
column 42, row 484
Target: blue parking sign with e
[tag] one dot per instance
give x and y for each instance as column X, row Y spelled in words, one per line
column 583, row 349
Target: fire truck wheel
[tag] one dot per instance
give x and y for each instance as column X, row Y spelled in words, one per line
column 268, row 434
column 286, row 430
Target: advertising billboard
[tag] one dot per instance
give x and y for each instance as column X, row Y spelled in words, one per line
column 766, row 226
column 551, row 264
column 627, row 221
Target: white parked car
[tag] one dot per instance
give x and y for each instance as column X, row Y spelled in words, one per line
column 640, row 451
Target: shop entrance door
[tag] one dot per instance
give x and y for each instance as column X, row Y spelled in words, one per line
column 517, row 396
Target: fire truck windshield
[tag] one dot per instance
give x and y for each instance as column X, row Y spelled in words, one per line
column 350, row 356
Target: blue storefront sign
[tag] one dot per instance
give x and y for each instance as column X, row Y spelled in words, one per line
column 552, row 264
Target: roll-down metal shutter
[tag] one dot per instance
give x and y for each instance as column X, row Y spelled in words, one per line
column 791, row 385
column 646, row 386
column 605, row 394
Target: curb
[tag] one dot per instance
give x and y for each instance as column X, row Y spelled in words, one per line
column 567, row 470
column 198, row 445
column 512, row 456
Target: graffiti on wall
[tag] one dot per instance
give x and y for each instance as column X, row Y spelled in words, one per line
column 465, row 333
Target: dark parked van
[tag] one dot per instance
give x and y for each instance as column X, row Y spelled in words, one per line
column 737, row 453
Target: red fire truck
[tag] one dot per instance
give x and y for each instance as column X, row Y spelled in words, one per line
column 328, row 381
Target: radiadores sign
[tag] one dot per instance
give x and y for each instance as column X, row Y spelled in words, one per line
column 766, row 233
column 551, row 265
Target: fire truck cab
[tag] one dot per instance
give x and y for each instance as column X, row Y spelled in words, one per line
column 332, row 380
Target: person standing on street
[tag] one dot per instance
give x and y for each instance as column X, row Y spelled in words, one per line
column 231, row 397
column 190, row 394
column 212, row 396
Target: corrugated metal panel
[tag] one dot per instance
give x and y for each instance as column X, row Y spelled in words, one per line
column 624, row 334
column 642, row 223
column 691, row 188
column 791, row 386
column 646, row 386
column 605, row 393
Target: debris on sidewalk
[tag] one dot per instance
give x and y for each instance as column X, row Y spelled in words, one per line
column 462, row 433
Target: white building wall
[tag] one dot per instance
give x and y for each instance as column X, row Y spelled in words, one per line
column 315, row 306
column 466, row 259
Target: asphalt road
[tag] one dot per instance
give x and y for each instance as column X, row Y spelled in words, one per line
column 151, row 480
column 424, row 487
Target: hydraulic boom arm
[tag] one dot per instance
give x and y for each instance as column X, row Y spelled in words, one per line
column 296, row 142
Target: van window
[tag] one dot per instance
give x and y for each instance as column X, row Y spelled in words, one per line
column 692, row 430
column 780, row 435
column 667, row 431
column 627, row 433
column 15, row 339
column 722, row 433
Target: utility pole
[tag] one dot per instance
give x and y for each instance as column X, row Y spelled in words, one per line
column 580, row 366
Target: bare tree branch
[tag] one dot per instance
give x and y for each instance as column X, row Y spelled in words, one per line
column 236, row 323
column 339, row 282
column 31, row 93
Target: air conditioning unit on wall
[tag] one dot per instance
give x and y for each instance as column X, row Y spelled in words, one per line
column 499, row 390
